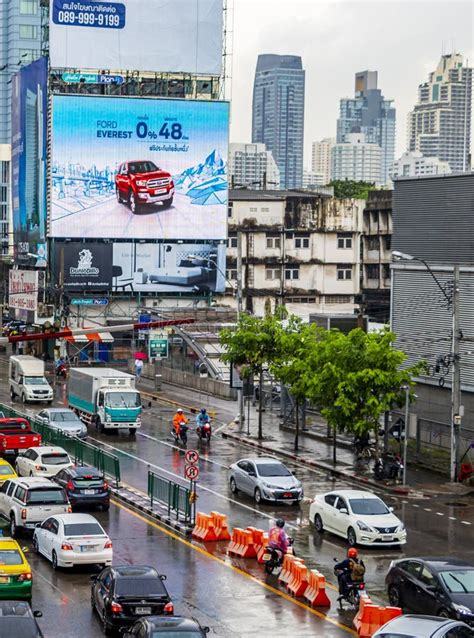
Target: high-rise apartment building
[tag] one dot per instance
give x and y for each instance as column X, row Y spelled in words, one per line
column 20, row 43
column 252, row 166
column 368, row 112
column 357, row 160
column 440, row 124
column 278, row 113
column 321, row 158
column 414, row 164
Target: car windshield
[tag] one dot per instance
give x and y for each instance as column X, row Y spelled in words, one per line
column 46, row 496
column 173, row 634
column 139, row 587
column 10, row 557
column 368, row 506
column 459, row 581
column 5, row 470
column 122, row 400
column 35, row 381
column 55, row 458
column 83, row 529
column 142, row 167
column 272, row 469
column 64, row 417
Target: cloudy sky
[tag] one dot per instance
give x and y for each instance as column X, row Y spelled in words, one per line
column 401, row 40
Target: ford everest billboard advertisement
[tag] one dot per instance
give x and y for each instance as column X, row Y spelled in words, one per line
column 139, row 168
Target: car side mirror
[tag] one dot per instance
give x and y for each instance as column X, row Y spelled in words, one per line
column 163, row 576
column 343, row 510
column 206, row 630
column 38, row 614
column 38, row 525
column 25, row 550
column 251, row 473
column 391, row 509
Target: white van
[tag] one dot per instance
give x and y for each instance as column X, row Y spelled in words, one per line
column 27, row 380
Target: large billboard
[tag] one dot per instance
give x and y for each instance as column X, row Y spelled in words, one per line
column 137, row 35
column 138, row 168
column 29, row 118
column 83, row 267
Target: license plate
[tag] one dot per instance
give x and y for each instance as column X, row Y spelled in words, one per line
column 388, row 538
column 160, row 191
column 87, row 548
column 267, row 557
column 4, row 580
column 143, row 610
column 288, row 495
column 88, row 491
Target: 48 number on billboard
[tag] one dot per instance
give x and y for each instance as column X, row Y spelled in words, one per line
column 175, row 131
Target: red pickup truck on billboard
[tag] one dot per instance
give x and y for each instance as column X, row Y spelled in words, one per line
column 16, row 435
column 141, row 182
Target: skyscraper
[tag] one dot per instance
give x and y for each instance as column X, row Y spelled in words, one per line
column 278, row 113
column 356, row 159
column 371, row 114
column 321, row 158
column 440, row 124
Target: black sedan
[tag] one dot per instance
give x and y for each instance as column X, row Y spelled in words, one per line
column 435, row 586
column 85, row 486
column 18, row 621
column 155, row 626
column 122, row 594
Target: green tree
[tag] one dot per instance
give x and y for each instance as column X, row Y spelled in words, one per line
column 350, row 189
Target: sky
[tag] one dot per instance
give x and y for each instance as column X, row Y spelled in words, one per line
column 402, row 40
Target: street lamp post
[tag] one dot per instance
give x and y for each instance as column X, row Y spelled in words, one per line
column 405, row 437
column 453, row 301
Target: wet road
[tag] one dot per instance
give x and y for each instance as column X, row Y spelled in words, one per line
column 231, row 603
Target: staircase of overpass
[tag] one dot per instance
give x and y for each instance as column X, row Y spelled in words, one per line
column 203, row 339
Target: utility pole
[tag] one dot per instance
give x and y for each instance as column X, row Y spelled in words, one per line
column 239, row 312
column 456, row 407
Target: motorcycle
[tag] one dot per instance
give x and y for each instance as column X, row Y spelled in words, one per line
column 61, row 370
column 274, row 557
column 204, row 432
column 349, row 592
column 389, row 466
column 182, row 437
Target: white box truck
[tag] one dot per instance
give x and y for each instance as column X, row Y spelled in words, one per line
column 105, row 398
column 27, row 381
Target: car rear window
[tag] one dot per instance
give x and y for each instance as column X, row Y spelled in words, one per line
column 46, row 495
column 55, row 459
column 10, row 557
column 83, row 529
column 140, row 587
column 272, row 469
column 5, row 470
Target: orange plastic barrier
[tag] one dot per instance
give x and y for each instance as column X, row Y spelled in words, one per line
column 298, row 584
column 260, row 542
column 241, row 544
column 286, row 569
column 204, row 528
column 220, row 526
column 371, row 617
column 315, row 593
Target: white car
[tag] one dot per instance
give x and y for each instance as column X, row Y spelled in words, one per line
column 360, row 517
column 73, row 539
column 43, row 461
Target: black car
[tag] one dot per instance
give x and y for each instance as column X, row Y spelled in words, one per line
column 122, row 594
column 155, row 626
column 18, row 621
column 434, row 586
column 85, row 486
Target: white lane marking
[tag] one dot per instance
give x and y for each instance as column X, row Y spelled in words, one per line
column 439, row 514
column 465, row 522
column 452, row 518
column 37, row 574
column 415, row 505
column 177, row 447
column 427, row 509
column 207, row 489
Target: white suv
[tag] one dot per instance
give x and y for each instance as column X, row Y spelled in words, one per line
column 42, row 461
column 29, row 501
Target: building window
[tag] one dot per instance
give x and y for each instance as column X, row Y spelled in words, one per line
column 230, row 209
column 265, row 210
column 292, row 273
column 344, row 272
column 333, row 299
column 28, row 7
column 344, row 240
column 301, row 242
column 386, row 271
column 373, row 243
column 373, row 271
column 231, row 274
column 253, row 210
column 232, row 241
column 29, row 55
column 272, row 273
column 28, row 32
column 388, row 241
column 273, row 242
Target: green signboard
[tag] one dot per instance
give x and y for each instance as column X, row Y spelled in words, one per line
column 158, row 347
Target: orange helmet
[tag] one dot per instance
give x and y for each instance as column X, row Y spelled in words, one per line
column 352, row 552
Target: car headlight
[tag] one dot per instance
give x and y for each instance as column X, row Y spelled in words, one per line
column 363, row 527
column 271, row 487
column 462, row 609
column 141, row 182
column 401, row 528
column 108, row 417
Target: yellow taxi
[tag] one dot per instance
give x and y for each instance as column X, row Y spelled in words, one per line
column 6, row 472
column 16, row 579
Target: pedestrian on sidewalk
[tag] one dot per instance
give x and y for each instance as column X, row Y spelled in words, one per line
column 138, row 369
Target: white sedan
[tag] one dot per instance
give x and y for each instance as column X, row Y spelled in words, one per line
column 73, row 539
column 43, row 461
column 360, row 517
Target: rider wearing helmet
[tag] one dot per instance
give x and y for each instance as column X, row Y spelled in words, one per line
column 178, row 419
column 202, row 418
column 349, row 571
column 277, row 537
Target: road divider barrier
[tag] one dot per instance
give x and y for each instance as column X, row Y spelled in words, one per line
column 298, row 582
column 241, row 544
column 260, row 541
column 204, row 528
column 370, row 617
column 315, row 593
column 221, row 526
column 286, row 569
column 176, row 499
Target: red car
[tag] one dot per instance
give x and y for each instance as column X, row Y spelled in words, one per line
column 141, row 182
column 15, row 435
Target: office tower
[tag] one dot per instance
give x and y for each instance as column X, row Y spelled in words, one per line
column 368, row 112
column 252, row 166
column 440, row 124
column 321, row 158
column 278, row 113
column 357, row 160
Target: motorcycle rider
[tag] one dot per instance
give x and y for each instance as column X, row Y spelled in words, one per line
column 277, row 537
column 201, row 419
column 349, row 571
column 177, row 420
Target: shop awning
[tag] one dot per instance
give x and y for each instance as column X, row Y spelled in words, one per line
column 104, row 337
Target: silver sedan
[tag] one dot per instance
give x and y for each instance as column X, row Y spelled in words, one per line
column 266, row 479
column 63, row 419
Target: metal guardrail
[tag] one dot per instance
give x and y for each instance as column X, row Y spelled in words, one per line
column 83, row 453
column 176, row 498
